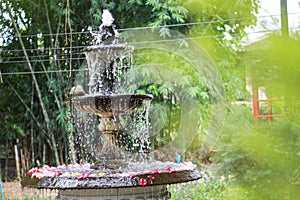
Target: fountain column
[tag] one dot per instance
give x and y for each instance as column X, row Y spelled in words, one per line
column 110, row 156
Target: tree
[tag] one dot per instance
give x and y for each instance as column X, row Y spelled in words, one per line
column 220, row 30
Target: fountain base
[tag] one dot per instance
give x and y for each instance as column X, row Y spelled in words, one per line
column 153, row 192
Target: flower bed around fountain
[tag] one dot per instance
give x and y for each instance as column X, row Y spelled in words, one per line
column 134, row 175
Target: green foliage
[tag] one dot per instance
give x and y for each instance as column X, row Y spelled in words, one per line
column 180, row 95
column 209, row 187
column 263, row 158
column 220, row 30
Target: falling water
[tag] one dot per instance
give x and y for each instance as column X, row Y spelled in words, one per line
column 83, row 146
column 107, row 66
column 135, row 130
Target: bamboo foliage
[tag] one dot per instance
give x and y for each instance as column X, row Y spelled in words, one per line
column 36, row 84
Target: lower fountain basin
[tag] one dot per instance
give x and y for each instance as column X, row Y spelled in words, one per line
column 84, row 177
column 106, row 104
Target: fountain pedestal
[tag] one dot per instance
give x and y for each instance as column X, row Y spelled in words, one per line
column 111, row 156
column 107, row 107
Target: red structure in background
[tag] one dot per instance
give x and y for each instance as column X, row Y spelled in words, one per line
column 268, row 104
column 257, row 105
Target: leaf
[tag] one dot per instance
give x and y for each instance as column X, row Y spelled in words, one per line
column 19, row 130
column 97, row 17
column 164, row 32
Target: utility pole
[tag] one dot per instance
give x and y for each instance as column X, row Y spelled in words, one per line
column 284, row 19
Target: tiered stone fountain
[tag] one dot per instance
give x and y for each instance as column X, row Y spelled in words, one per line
column 110, row 177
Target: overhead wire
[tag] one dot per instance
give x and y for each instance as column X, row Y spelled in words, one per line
column 80, row 48
column 33, row 61
column 153, row 27
column 82, row 57
column 43, row 72
column 131, row 43
column 43, row 49
column 51, row 59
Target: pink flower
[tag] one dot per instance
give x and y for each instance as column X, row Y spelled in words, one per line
column 47, row 173
column 82, row 176
column 143, row 182
column 61, row 166
column 46, row 167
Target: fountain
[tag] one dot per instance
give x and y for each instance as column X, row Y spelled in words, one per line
column 111, row 176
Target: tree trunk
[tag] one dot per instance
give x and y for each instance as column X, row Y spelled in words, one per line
column 6, row 161
column 0, row 170
column 23, row 170
column 44, row 153
column 61, row 146
column 17, row 162
column 32, row 130
column 68, row 19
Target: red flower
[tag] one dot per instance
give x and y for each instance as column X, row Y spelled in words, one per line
column 57, row 174
column 33, row 171
column 151, row 178
column 155, row 171
column 143, row 182
column 30, row 172
column 82, row 176
column 133, row 177
column 170, row 170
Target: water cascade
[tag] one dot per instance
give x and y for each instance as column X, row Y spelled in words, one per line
column 111, row 176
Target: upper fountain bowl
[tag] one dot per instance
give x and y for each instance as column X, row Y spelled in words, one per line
column 105, row 105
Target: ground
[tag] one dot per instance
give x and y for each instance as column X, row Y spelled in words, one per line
column 13, row 190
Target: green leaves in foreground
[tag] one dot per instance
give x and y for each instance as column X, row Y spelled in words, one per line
column 263, row 157
column 264, row 160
